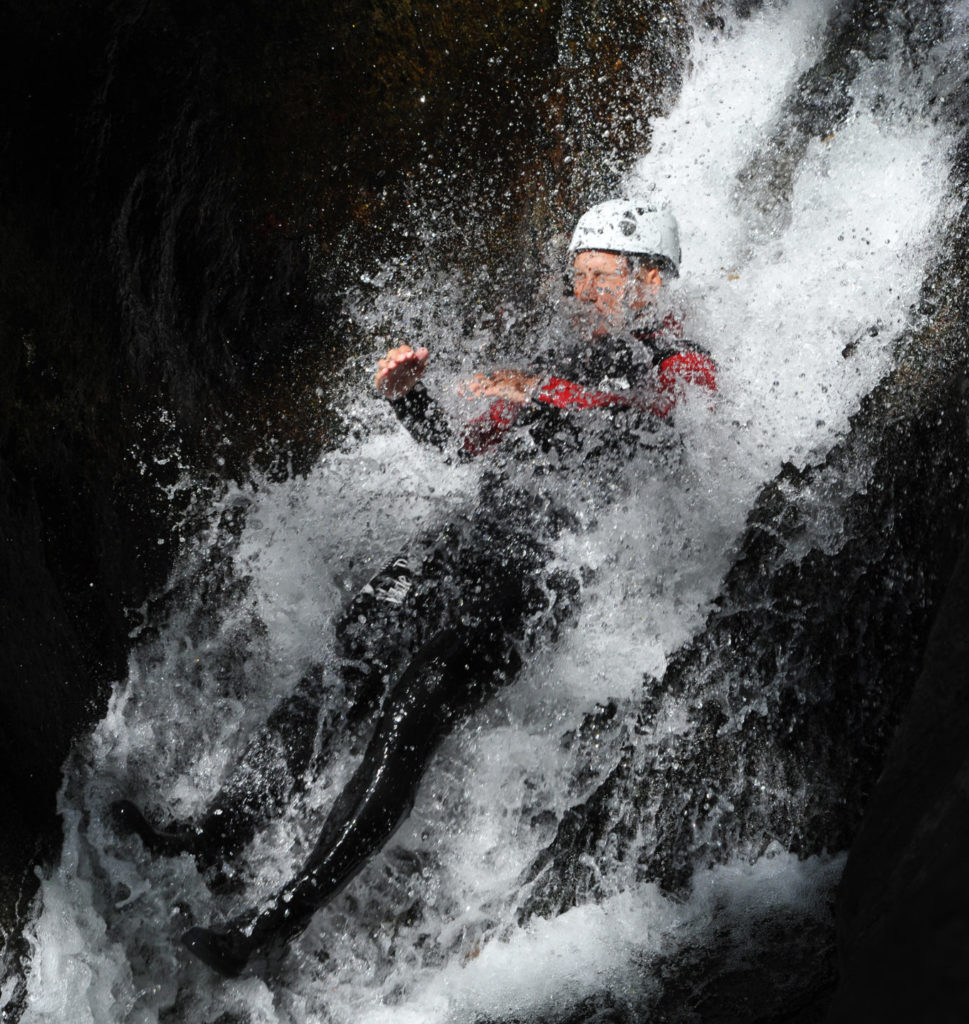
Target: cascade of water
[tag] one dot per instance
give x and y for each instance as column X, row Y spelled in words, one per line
column 430, row 930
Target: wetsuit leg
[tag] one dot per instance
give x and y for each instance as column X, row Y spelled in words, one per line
column 376, row 634
column 379, row 630
column 481, row 568
column 479, row 589
column 452, row 674
column 476, row 575
column 271, row 771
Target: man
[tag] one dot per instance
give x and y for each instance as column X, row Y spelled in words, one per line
column 620, row 252
column 449, row 624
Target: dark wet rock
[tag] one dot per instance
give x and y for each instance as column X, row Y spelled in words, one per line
column 602, row 116
column 904, row 898
column 757, row 967
column 859, row 31
column 903, row 903
column 903, row 940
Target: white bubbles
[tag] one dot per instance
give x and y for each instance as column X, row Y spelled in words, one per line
column 736, row 89
column 552, row 964
column 429, row 932
column 843, row 259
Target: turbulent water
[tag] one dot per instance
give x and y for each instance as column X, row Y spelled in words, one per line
column 776, row 283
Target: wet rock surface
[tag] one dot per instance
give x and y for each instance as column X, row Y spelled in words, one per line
column 903, row 900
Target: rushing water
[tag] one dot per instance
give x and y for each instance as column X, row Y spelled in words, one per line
column 776, row 287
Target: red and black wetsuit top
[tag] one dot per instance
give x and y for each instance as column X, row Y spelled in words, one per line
column 608, row 374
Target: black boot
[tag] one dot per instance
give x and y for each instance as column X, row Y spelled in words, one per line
column 257, row 941
column 227, row 951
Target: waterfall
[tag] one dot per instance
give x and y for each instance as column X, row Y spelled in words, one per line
column 804, row 262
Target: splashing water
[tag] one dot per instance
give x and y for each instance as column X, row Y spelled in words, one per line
column 429, row 931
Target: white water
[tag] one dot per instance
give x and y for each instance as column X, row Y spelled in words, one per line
column 776, row 306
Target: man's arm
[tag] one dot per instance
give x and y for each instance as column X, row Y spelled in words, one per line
column 422, row 417
column 675, row 371
column 513, row 390
column 398, row 379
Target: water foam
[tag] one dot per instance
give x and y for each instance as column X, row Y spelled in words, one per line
column 776, row 310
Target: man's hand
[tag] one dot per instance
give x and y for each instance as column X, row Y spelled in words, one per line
column 512, row 385
column 400, row 370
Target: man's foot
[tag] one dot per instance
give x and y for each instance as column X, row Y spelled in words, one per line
column 128, row 820
column 227, row 952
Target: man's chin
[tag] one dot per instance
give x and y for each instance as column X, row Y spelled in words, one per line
column 587, row 322
column 596, row 324
column 613, row 323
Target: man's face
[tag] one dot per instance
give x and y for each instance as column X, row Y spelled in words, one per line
column 607, row 282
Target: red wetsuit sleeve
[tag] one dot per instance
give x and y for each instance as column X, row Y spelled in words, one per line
column 694, row 368
column 675, row 371
column 565, row 394
column 485, row 431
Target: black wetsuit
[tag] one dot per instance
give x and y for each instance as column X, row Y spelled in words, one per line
column 446, row 623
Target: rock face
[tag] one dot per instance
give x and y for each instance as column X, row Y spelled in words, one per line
column 136, row 301
column 904, row 900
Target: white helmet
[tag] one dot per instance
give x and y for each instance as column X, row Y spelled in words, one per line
column 634, row 227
